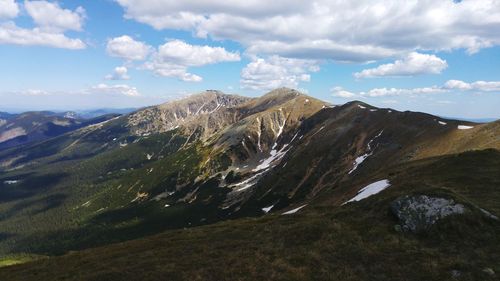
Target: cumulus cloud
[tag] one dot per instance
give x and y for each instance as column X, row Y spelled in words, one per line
column 51, row 21
column 484, row 86
column 119, row 73
column 173, row 59
column 322, row 29
column 9, row 9
column 341, row 93
column 457, row 84
column 276, row 71
column 12, row 34
column 179, row 52
column 448, row 87
column 50, row 16
column 126, row 47
column 384, row 92
column 412, row 64
column 120, row 89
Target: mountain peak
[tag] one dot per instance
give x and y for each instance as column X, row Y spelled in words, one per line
column 283, row 91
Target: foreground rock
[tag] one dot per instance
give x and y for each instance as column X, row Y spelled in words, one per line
column 418, row 213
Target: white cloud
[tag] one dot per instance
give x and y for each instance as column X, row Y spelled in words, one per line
column 383, row 92
column 275, row 72
column 112, row 96
column 173, row 59
column 492, row 86
column 341, row 93
column 119, row 73
column 179, row 52
column 457, row 84
column 120, row 89
column 12, row 34
column 448, row 87
column 187, row 14
column 484, row 86
column 127, row 48
column 51, row 21
column 412, row 64
column 50, row 16
column 8, row 9
column 341, row 30
column 34, row 92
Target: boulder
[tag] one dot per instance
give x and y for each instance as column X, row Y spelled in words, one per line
column 418, row 213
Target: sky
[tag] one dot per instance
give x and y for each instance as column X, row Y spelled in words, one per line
column 440, row 57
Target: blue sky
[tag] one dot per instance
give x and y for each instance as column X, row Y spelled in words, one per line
column 441, row 57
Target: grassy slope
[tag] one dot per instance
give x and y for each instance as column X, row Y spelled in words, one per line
column 45, row 213
column 321, row 242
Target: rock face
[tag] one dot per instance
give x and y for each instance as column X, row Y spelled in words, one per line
column 418, row 213
column 201, row 110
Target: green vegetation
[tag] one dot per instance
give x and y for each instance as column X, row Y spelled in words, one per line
column 357, row 241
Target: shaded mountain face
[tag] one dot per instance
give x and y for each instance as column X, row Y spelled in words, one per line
column 90, row 114
column 30, row 127
column 207, row 158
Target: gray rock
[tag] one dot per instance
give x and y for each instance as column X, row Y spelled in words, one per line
column 456, row 273
column 397, row 228
column 419, row 213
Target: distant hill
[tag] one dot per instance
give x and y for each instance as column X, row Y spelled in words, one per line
column 88, row 114
column 29, row 127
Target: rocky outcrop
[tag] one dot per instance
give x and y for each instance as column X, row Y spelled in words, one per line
column 193, row 113
column 418, row 213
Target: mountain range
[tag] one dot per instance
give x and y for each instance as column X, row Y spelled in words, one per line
column 281, row 187
column 35, row 126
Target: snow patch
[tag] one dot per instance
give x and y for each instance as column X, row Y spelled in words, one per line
column 370, row 190
column 360, row 106
column 294, row 210
column 358, row 161
column 10, row 181
column 245, row 184
column 363, row 157
column 275, row 156
column 442, row 123
column 464, row 127
column 267, row 209
column 149, row 156
column 373, row 110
